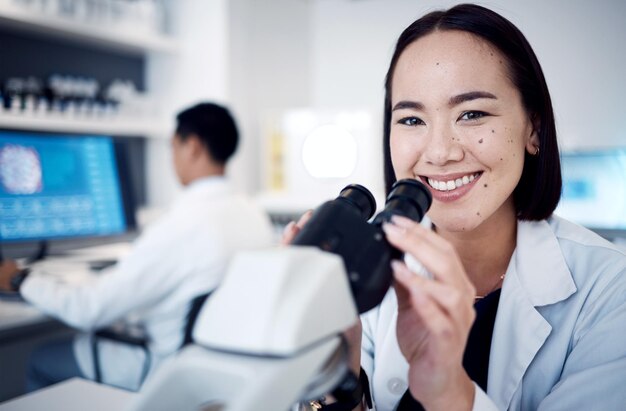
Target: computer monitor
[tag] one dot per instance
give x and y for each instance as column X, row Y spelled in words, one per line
column 59, row 187
column 594, row 190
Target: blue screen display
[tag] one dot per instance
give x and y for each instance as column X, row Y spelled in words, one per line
column 594, row 188
column 58, row 187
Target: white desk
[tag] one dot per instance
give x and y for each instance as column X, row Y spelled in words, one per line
column 72, row 395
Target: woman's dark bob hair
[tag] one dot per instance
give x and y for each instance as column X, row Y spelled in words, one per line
column 539, row 189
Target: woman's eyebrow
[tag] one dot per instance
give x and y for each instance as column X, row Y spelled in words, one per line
column 469, row 96
column 415, row 105
column 454, row 101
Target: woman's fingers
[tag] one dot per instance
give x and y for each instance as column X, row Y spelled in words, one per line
column 413, row 290
column 420, row 317
column 292, row 229
column 401, row 285
column 304, row 218
column 410, row 225
column 435, row 253
column 289, row 232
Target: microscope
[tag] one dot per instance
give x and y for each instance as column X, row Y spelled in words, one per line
column 271, row 334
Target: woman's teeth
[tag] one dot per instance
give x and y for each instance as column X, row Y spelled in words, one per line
column 452, row 184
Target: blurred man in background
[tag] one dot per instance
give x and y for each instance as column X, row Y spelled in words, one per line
column 181, row 256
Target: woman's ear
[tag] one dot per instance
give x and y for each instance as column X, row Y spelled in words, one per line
column 532, row 143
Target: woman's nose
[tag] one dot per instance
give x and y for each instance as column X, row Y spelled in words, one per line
column 443, row 146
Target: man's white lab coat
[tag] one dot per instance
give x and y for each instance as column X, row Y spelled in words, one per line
column 182, row 255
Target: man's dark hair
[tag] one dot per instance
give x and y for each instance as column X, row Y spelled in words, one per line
column 539, row 189
column 214, row 126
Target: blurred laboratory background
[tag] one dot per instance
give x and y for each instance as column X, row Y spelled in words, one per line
column 304, row 79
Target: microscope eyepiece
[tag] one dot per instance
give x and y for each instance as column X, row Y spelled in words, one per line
column 408, row 198
column 360, row 198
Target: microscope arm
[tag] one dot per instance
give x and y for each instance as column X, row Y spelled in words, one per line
column 262, row 337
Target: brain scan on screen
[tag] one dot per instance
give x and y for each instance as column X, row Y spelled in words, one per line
column 20, row 170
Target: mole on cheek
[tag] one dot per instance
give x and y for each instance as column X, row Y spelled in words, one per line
column 493, row 131
column 485, row 185
column 478, row 213
column 480, row 141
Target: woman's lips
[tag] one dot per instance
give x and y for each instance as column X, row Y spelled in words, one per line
column 452, row 187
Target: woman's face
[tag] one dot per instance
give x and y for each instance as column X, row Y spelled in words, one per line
column 458, row 124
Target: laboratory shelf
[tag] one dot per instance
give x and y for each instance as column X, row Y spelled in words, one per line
column 121, row 126
column 114, row 38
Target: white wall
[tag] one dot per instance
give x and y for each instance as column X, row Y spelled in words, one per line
column 270, row 63
column 582, row 48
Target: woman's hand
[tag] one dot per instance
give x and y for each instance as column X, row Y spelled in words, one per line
column 434, row 317
column 293, row 228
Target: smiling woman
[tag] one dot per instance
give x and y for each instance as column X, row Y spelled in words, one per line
column 524, row 310
column 444, row 133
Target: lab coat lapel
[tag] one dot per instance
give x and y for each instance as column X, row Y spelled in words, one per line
column 537, row 276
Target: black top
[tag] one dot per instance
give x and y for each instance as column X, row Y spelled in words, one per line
column 476, row 357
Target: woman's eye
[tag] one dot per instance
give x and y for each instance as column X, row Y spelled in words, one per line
column 473, row 115
column 410, row 121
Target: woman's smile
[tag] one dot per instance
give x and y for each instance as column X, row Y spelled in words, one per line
column 451, row 187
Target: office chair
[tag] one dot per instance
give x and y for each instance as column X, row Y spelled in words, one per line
column 140, row 340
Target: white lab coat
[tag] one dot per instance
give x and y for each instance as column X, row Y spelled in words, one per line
column 182, row 255
column 559, row 340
